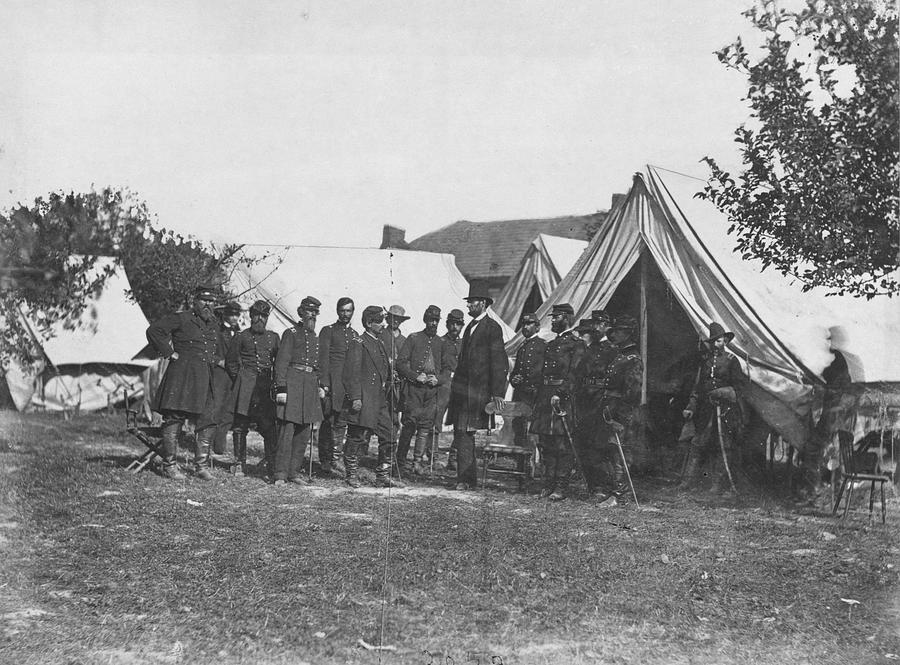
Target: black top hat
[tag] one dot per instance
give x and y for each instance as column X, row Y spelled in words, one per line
column 716, row 331
column 260, row 307
column 432, row 312
column 478, row 290
column 455, row 315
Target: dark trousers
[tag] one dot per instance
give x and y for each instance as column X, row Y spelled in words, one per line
column 290, row 449
column 466, row 466
column 265, row 425
column 558, row 461
column 332, row 432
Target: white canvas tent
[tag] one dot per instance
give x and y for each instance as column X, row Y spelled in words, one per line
column 383, row 277
column 665, row 257
column 90, row 364
column 546, row 261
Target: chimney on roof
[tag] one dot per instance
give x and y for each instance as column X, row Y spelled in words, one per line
column 393, row 237
column 616, row 201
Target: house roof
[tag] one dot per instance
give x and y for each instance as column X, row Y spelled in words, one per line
column 494, row 249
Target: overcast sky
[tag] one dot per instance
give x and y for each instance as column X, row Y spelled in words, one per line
column 313, row 122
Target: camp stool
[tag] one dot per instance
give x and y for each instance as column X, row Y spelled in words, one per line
column 501, row 446
column 148, row 435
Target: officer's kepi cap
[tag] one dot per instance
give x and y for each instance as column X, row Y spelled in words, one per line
column 229, row 308
column 600, row 315
column 260, row 307
column 432, row 312
column 455, row 315
column 564, row 308
column 205, row 292
column 309, row 304
column 585, row 325
column 529, row 318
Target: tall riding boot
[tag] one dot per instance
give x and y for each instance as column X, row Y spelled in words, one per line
column 423, row 438
column 383, row 471
column 451, row 458
column 351, row 468
column 239, row 439
column 201, row 452
column 170, row 432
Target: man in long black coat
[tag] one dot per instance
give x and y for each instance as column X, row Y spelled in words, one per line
column 229, row 316
column 249, row 362
column 189, row 341
column 367, row 384
column 334, row 340
column 480, row 378
column 526, row 374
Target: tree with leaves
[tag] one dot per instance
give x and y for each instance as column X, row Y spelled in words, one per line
column 819, row 194
column 48, row 253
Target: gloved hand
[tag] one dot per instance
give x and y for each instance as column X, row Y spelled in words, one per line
column 281, row 398
column 321, row 393
column 554, row 401
column 725, row 394
column 356, row 407
column 687, row 414
column 431, row 380
column 221, row 364
column 422, row 377
column 515, row 379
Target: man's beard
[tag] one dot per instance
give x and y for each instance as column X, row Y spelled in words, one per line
column 558, row 326
column 258, row 327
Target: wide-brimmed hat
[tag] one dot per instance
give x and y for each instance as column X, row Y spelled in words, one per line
column 455, row 315
column 396, row 313
column 716, row 331
column 478, row 291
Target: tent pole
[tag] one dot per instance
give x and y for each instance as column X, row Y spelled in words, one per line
column 644, row 326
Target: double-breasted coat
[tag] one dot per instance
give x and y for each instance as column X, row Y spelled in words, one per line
column 249, row 361
column 526, row 373
column 367, row 378
column 428, row 354
column 297, row 374
column 561, row 356
column 186, row 385
column 334, row 340
column 719, row 369
column 481, row 373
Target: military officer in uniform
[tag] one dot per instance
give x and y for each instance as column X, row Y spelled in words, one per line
column 229, row 316
column 616, row 395
column 334, row 340
column 393, row 341
column 367, row 383
column 454, row 324
column 526, row 374
column 554, row 398
column 249, row 361
column 298, row 395
column 720, row 382
column 189, row 341
column 424, row 364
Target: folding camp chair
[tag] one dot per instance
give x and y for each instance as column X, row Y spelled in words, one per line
column 148, row 435
column 502, row 446
column 849, row 476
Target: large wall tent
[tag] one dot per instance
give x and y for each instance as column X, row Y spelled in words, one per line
column 664, row 256
column 546, row 261
column 88, row 364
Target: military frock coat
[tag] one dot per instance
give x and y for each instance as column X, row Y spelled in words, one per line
column 717, row 370
column 526, row 374
column 366, row 378
column 561, row 356
column 334, row 340
column 297, row 374
column 187, row 383
column 249, row 361
column 481, row 372
column 590, row 376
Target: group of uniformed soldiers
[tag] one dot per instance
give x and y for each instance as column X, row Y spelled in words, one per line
column 583, row 386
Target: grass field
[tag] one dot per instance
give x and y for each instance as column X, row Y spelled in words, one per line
column 102, row 566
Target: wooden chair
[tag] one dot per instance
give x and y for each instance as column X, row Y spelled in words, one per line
column 148, row 435
column 849, row 476
column 502, row 446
